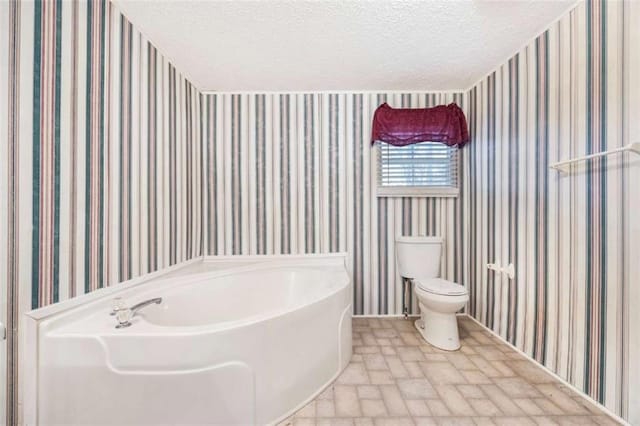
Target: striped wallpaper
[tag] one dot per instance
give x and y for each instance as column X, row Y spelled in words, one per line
column 295, row 173
column 100, row 159
column 564, row 95
column 114, row 165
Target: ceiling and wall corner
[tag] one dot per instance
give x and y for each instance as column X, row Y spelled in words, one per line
column 305, row 45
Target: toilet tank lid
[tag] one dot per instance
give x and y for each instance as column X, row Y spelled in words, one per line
column 422, row 239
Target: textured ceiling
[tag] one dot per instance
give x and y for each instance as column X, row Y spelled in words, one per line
column 300, row 45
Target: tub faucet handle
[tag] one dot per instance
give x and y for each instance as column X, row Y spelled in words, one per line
column 117, row 304
column 124, row 315
column 124, row 318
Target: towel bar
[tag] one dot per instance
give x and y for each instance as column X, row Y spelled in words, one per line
column 563, row 166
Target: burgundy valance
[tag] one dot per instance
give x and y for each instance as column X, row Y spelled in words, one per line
column 405, row 126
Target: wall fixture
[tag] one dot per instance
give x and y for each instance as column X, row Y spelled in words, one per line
column 564, row 166
column 509, row 270
column 494, row 267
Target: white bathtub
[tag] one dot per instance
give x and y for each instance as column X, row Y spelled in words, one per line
column 231, row 343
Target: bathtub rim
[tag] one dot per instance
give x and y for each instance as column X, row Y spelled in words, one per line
column 144, row 327
column 46, row 312
column 243, row 322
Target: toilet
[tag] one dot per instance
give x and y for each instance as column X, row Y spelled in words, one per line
column 418, row 259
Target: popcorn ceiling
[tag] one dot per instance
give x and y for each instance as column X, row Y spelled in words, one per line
column 305, row 45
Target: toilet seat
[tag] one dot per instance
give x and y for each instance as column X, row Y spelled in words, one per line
column 440, row 286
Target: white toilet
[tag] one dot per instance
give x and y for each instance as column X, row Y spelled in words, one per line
column 418, row 259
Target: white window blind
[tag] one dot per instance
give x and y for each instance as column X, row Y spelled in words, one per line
column 426, row 165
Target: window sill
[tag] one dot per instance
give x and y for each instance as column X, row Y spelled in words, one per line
column 417, row 192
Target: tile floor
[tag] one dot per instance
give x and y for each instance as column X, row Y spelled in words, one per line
column 395, row 378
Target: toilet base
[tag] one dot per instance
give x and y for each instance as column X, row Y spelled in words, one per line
column 439, row 330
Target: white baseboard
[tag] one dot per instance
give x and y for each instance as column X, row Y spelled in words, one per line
column 388, row 316
column 584, row 396
column 460, row 314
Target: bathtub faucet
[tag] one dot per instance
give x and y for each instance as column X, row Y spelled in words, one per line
column 135, row 308
column 124, row 315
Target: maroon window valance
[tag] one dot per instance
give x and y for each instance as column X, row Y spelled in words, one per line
column 406, row 126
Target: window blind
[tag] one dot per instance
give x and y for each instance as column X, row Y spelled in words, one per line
column 424, row 164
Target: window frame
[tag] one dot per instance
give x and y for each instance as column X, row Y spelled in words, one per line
column 413, row 191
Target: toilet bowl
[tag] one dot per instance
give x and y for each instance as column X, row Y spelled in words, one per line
column 439, row 300
column 418, row 259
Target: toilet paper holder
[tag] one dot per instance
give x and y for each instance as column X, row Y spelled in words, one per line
column 509, row 270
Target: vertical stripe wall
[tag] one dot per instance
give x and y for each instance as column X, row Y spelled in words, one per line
column 113, row 165
column 100, row 159
column 295, row 173
column 566, row 94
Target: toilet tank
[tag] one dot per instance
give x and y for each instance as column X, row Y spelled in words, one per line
column 418, row 256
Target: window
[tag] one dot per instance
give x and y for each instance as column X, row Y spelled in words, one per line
column 427, row 169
